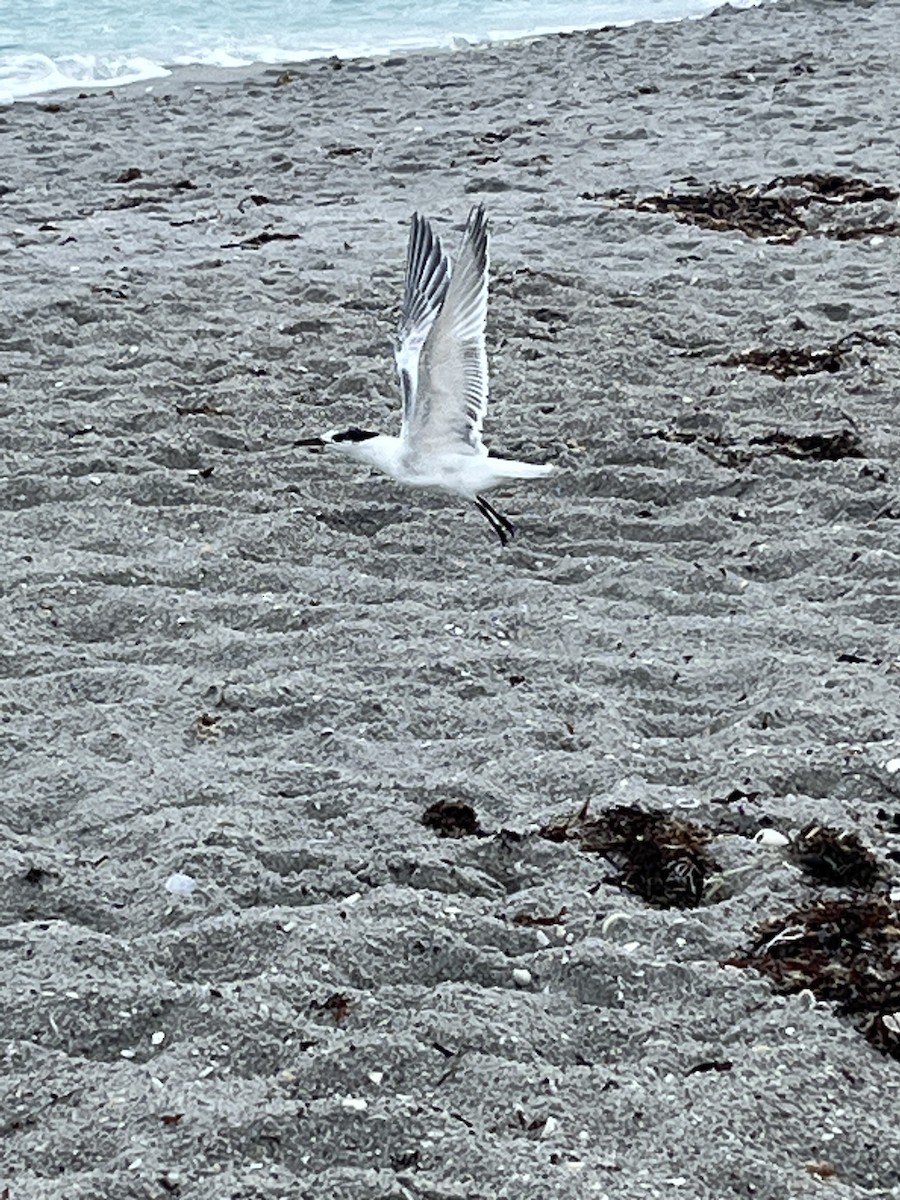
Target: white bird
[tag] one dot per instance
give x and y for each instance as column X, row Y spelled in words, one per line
column 442, row 364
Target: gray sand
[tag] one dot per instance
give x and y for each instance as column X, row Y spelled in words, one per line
column 226, row 657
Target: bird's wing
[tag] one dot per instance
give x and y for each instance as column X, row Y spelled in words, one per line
column 427, row 280
column 450, row 396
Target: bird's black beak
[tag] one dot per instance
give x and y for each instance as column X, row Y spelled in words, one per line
column 314, row 443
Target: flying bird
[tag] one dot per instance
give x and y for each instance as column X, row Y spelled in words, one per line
column 441, row 361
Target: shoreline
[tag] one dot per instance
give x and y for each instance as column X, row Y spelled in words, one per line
column 461, row 43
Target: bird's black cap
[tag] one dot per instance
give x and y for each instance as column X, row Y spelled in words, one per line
column 354, row 435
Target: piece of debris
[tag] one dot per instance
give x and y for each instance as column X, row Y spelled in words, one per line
column 835, row 856
column 261, row 239
column 256, row 198
column 700, row 1068
column 724, row 207
column 786, row 361
column 846, row 951
column 821, row 1168
column 856, row 233
column 774, row 210
column 206, row 727
column 529, row 920
column 200, row 410
column 338, row 1004
column 130, row 174
column 822, row 447
column 835, row 189
column 659, row 856
column 827, row 446
column 452, row 818
column 346, row 151
column 101, row 289
column 712, row 445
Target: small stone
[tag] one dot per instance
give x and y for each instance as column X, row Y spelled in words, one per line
column 521, row 977
column 180, row 885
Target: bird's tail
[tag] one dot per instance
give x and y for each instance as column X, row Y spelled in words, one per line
column 508, row 468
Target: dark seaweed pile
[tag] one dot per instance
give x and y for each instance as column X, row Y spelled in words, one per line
column 776, row 210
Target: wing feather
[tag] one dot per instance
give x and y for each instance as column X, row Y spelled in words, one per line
column 450, row 392
column 427, row 280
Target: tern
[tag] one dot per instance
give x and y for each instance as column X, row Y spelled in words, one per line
column 442, row 364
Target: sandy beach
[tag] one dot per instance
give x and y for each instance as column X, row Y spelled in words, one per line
column 237, row 963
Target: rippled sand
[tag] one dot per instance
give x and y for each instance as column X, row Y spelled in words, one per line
column 231, row 659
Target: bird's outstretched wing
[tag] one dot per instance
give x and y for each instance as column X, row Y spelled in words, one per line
column 444, row 408
column 427, row 280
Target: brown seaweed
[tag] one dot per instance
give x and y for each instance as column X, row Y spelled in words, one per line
column 846, row 951
column 820, row 446
column 835, row 856
column 784, row 362
column 660, row 857
column 774, row 210
column 452, row 818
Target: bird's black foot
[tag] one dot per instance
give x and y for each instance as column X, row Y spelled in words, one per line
column 504, row 528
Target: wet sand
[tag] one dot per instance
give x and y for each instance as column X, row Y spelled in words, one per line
column 231, row 659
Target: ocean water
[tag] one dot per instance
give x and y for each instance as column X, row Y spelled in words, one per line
column 51, row 44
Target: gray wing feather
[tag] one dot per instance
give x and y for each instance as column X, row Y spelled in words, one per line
column 427, row 280
column 451, row 393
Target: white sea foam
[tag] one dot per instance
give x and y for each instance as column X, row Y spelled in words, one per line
column 23, row 75
column 44, row 49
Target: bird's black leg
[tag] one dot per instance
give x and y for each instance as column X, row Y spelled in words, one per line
column 503, row 528
column 488, row 513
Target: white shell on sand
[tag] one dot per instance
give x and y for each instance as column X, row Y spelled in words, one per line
column 771, row 837
column 180, row 885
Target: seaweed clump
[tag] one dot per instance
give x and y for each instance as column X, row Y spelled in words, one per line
column 835, row 856
column 784, row 362
column 452, row 818
column 820, row 447
column 660, row 857
column 729, row 206
column 774, row 210
column 846, row 951
column 825, row 446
